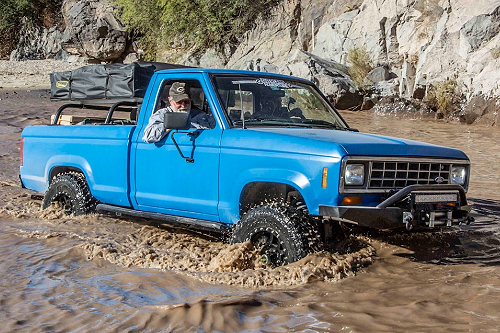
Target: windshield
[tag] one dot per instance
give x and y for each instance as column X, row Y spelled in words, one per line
column 265, row 101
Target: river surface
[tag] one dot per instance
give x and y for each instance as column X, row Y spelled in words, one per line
column 102, row 274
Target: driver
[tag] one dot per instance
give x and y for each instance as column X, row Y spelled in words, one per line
column 271, row 105
column 179, row 101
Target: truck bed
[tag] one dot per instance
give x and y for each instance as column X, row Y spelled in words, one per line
column 103, row 150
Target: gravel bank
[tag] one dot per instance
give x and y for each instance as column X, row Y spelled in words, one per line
column 31, row 74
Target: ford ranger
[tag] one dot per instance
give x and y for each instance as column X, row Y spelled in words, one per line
column 278, row 166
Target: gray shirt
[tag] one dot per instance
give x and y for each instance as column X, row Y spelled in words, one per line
column 155, row 131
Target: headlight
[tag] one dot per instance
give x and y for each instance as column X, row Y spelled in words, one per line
column 354, row 174
column 458, row 174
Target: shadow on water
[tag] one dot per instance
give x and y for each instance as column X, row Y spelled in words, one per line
column 478, row 243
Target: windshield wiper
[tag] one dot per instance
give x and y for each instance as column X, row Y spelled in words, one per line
column 324, row 123
column 271, row 122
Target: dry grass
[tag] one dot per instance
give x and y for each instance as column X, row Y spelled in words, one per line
column 444, row 96
column 495, row 52
column 361, row 64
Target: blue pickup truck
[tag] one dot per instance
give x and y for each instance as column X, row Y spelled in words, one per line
column 279, row 166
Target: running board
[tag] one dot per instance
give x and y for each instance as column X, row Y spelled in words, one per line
column 170, row 219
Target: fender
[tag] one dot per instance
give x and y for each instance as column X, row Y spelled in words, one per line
column 72, row 161
column 230, row 213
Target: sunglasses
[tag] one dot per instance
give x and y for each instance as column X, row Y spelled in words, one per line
column 184, row 102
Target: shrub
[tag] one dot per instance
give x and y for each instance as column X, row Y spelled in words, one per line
column 185, row 24
column 360, row 64
column 37, row 12
column 495, row 52
column 443, row 96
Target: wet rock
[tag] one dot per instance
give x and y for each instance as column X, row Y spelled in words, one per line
column 368, row 103
column 481, row 108
column 402, row 107
column 419, row 92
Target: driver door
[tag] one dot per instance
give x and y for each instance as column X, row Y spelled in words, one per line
column 164, row 181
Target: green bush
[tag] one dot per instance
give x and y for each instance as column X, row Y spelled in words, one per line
column 444, row 97
column 361, row 64
column 188, row 24
column 37, row 12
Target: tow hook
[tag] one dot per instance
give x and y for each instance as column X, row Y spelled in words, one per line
column 470, row 219
column 408, row 220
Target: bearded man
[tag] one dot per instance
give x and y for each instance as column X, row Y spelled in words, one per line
column 179, row 102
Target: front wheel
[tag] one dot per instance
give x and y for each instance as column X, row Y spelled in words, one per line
column 277, row 230
column 71, row 192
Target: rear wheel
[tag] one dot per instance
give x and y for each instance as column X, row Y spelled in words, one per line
column 71, row 192
column 278, row 230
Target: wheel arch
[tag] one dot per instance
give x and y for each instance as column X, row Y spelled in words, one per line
column 68, row 163
column 257, row 192
column 56, row 170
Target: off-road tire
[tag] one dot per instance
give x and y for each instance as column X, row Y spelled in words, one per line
column 309, row 228
column 72, row 193
column 285, row 224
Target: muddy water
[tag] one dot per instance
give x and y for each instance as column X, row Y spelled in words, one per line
column 101, row 274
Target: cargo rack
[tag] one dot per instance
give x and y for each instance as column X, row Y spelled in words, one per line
column 112, row 87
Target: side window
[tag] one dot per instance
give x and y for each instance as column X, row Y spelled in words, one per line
column 201, row 114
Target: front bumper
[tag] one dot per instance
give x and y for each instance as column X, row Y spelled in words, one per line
column 415, row 206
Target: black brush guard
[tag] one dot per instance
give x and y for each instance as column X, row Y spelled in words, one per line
column 413, row 207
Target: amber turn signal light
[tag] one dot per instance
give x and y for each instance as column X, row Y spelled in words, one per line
column 325, row 178
column 352, row 200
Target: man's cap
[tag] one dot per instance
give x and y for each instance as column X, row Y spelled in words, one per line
column 178, row 91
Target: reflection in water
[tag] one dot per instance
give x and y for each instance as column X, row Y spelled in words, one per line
column 96, row 273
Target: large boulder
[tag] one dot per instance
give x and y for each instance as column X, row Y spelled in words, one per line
column 330, row 77
column 89, row 30
column 95, row 32
column 377, row 74
column 481, row 108
column 38, row 43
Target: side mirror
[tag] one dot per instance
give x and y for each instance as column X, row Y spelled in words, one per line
column 176, row 120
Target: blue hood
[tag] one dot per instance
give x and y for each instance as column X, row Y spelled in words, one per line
column 357, row 144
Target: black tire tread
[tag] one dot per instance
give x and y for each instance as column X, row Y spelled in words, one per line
column 74, row 185
column 290, row 222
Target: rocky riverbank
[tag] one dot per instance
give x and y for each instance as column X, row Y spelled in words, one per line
column 29, row 75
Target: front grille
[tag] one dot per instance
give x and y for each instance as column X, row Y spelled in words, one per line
column 384, row 174
column 397, row 174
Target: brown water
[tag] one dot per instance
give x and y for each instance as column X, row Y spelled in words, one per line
column 101, row 274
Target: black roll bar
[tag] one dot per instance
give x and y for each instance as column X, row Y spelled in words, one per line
column 115, row 107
